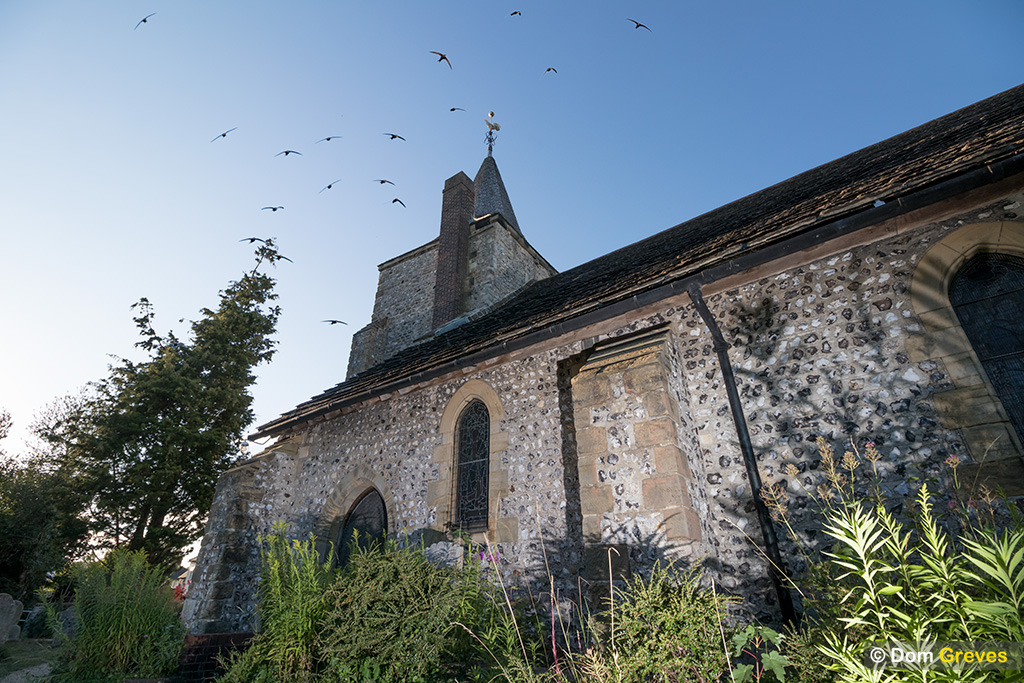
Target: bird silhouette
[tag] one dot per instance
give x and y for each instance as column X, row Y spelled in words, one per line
column 224, row 134
column 250, row 240
column 551, row 68
column 441, row 57
column 272, row 208
column 639, row 25
column 456, row 109
column 393, row 136
column 335, row 322
column 143, row 20
column 382, row 181
column 328, row 139
column 278, row 257
column 517, row 13
column 331, row 185
column 396, row 199
column 287, row 152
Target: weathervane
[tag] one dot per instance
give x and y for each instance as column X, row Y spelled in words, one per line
column 492, row 128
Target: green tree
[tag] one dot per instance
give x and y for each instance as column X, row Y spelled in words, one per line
column 148, row 442
column 40, row 524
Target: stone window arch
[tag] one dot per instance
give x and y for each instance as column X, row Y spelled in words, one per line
column 342, row 507
column 973, row 404
column 366, row 524
column 442, row 492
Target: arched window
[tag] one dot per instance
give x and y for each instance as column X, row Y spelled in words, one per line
column 987, row 294
column 473, row 447
column 367, row 522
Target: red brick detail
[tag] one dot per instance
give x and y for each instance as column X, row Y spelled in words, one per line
column 457, row 203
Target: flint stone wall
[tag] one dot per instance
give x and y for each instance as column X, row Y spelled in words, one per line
column 819, row 349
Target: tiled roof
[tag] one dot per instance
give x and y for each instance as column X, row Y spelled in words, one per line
column 953, row 145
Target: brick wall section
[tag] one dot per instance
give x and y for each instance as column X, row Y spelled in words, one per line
column 200, row 657
column 453, row 248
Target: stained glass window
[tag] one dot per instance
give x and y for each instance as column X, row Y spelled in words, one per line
column 987, row 294
column 473, row 442
column 367, row 523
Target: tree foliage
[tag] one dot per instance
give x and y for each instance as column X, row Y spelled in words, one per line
column 147, row 443
column 40, row 528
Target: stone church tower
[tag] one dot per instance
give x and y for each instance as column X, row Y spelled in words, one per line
column 479, row 260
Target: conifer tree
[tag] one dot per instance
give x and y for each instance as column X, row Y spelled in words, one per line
column 147, row 443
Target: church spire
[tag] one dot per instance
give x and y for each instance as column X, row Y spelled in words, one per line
column 491, row 196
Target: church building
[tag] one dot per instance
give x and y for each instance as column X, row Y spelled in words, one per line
column 631, row 407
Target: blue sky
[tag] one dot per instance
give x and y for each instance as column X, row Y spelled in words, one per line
column 111, row 189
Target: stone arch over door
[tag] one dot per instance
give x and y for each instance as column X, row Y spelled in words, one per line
column 972, row 405
column 440, row 493
column 343, row 500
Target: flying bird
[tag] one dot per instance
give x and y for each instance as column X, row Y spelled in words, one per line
column 278, row 257
column 250, row 240
column 551, row 68
column 639, row 25
column 335, row 322
column 382, row 181
column 224, row 134
column 143, row 20
column 328, row 138
column 441, row 57
column 456, row 109
column 287, row 152
column 393, row 136
column 331, row 185
column 517, row 13
column 396, row 199
column 272, row 208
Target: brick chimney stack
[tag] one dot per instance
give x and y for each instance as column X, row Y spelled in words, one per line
column 457, row 202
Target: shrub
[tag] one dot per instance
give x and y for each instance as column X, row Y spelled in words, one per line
column 663, row 627
column 888, row 578
column 292, row 608
column 128, row 623
column 395, row 613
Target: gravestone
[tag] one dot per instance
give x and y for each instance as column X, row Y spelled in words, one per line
column 10, row 614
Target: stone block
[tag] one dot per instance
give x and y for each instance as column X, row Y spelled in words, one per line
column 648, row 377
column 438, row 491
column 507, row 529
column 681, row 523
column 670, row 460
column 588, row 390
column 990, row 442
column 591, row 441
column 655, row 432
column 587, row 466
column 950, row 341
column 592, row 528
column 967, row 407
column 664, row 492
column 595, row 500
column 222, row 590
column 658, row 403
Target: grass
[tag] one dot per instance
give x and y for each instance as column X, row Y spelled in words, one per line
column 22, row 654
